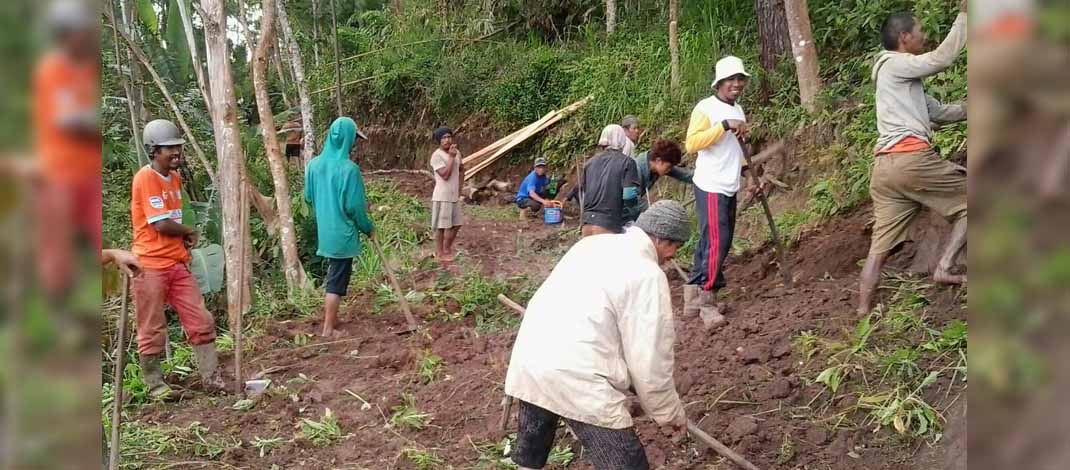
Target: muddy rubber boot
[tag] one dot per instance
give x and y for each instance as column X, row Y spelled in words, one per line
column 711, row 316
column 208, row 366
column 153, row 376
column 692, row 296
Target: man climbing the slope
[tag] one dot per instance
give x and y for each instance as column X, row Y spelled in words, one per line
column 534, row 193
column 335, row 189
column 162, row 246
column 593, row 332
column 907, row 173
column 715, row 132
column 662, row 160
column 446, row 215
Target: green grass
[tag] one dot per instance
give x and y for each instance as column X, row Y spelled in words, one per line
column 423, row 459
column 888, row 360
column 322, row 432
column 495, row 455
column 406, row 417
column 477, row 295
column 148, row 445
column 429, row 367
column 507, row 213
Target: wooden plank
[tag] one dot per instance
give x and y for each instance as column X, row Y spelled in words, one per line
column 548, row 120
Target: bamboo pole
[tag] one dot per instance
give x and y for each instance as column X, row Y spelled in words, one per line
column 117, row 389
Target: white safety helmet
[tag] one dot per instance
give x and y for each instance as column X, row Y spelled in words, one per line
column 161, row 132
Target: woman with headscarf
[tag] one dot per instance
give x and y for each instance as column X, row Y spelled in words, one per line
column 609, row 185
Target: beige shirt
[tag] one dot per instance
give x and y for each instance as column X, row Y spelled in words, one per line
column 903, row 107
column 600, row 324
column 446, row 190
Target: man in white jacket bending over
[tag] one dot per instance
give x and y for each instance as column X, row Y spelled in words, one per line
column 600, row 326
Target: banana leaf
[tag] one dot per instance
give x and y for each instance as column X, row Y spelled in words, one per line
column 207, row 267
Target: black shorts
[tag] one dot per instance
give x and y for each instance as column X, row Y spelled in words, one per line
column 293, row 150
column 338, row 272
column 606, row 449
column 529, row 203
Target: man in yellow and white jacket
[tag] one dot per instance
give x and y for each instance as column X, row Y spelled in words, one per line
column 717, row 127
column 599, row 326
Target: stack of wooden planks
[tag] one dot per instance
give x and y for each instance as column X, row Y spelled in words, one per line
column 483, row 158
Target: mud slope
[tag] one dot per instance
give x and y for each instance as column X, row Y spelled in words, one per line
column 742, row 383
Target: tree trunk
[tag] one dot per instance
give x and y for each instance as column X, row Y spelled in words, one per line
column 674, row 46
column 284, row 82
column 315, row 29
column 243, row 20
column 231, row 156
column 611, row 16
column 308, row 144
column 291, row 262
column 802, row 47
column 135, row 127
column 773, row 40
column 337, row 59
column 191, row 43
column 141, row 57
column 135, row 71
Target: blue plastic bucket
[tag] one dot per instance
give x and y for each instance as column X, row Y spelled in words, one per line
column 551, row 215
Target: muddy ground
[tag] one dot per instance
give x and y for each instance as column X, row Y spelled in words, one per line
column 743, row 383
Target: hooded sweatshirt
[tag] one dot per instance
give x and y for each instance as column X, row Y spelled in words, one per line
column 903, row 108
column 335, row 188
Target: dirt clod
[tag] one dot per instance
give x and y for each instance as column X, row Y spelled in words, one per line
column 780, row 388
column 817, row 436
column 741, row 427
column 756, row 353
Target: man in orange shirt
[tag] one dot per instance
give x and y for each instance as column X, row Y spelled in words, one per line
column 162, row 245
column 68, row 143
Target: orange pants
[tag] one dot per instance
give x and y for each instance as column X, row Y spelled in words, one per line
column 175, row 286
column 63, row 212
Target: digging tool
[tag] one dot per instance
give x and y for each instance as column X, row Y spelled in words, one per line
column 716, row 445
column 781, row 253
column 507, row 405
column 679, row 270
column 695, row 431
column 389, row 268
column 120, row 360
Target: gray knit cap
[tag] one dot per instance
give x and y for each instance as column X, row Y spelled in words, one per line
column 667, row 220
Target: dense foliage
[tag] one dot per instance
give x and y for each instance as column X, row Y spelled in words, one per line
column 511, row 61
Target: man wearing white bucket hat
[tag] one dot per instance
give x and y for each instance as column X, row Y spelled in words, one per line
column 715, row 132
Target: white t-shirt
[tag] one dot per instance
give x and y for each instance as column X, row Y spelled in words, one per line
column 718, row 167
column 446, row 190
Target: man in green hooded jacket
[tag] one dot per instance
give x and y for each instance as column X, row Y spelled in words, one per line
column 335, row 189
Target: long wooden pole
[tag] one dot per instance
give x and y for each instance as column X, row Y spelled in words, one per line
column 781, row 252
column 389, row 268
column 117, row 389
column 716, row 445
column 507, row 404
column 337, row 59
